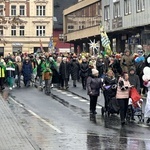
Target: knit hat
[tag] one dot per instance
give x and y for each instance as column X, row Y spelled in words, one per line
column 94, row 71
column 132, row 69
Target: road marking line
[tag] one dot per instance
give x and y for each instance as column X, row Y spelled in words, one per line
column 63, row 92
column 69, row 95
column 37, row 116
column 82, row 100
column 75, row 97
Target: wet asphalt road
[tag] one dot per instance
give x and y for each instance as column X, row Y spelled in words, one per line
column 65, row 124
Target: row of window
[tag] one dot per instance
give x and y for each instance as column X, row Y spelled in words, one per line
column 40, row 30
column 40, row 10
column 140, row 6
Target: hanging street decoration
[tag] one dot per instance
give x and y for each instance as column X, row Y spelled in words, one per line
column 94, row 46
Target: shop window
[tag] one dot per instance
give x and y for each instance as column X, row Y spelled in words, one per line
column 16, row 49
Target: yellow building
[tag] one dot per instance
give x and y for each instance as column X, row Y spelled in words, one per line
column 36, row 17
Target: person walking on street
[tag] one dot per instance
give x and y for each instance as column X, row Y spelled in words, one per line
column 2, row 74
column 122, row 95
column 18, row 70
column 93, row 89
column 27, row 72
column 100, row 66
column 64, row 71
column 134, row 79
column 109, row 87
column 127, row 61
column 10, row 73
column 46, row 77
column 84, row 67
column 74, row 69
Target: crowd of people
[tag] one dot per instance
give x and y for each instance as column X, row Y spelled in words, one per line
column 120, row 71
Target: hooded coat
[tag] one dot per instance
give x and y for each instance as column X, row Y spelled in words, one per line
column 27, row 70
column 134, row 80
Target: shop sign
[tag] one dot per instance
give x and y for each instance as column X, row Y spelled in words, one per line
column 134, row 41
column 17, row 44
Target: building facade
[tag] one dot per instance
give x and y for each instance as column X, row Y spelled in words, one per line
column 81, row 24
column 127, row 23
column 33, row 32
column 58, row 37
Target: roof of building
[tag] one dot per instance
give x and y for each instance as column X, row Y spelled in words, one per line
column 59, row 6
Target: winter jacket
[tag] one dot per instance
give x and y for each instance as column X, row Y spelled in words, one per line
column 40, row 68
column 126, row 63
column 134, row 80
column 64, row 70
column 109, row 81
column 93, row 86
column 84, row 67
column 27, row 70
column 2, row 70
column 123, row 89
column 74, row 69
column 18, row 68
column 100, row 66
column 117, row 67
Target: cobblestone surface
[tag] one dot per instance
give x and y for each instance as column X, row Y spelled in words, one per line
column 12, row 134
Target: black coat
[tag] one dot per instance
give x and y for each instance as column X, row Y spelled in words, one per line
column 64, row 70
column 74, row 69
column 100, row 66
column 93, row 86
column 84, row 67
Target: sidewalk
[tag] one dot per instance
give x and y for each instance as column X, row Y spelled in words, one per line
column 12, row 134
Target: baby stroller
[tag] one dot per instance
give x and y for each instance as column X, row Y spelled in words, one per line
column 135, row 110
column 111, row 105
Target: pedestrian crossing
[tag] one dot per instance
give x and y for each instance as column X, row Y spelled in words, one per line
column 75, row 97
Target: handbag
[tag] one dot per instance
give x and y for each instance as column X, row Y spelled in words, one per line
column 134, row 95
